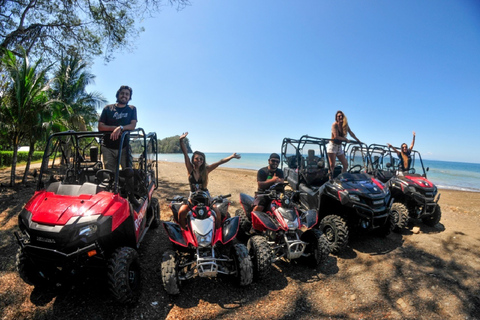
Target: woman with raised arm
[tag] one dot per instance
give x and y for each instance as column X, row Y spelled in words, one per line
column 340, row 129
column 198, row 170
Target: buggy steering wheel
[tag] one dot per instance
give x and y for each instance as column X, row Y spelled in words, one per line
column 105, row 178
column 351, row 170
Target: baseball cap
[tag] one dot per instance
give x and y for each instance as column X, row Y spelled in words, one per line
column 274, row 156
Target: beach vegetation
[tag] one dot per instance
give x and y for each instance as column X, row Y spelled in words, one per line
column 172, row 145
column 52, row 28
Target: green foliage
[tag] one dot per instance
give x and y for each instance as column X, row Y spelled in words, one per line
column 172, row 145
column 73, row 107
column 50, row 28
column 6, row 157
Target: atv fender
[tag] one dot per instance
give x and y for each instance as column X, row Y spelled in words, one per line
column 247, row 203
column 223, row 208
column 230, row 229
column 309, row 218
column 262, row 221
column 175, row 233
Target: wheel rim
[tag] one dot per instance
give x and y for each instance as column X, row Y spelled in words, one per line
column 396, row 216
column 329, row 233
column 133, row 277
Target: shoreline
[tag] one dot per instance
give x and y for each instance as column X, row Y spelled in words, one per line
column 230, row 167
column 224, row 180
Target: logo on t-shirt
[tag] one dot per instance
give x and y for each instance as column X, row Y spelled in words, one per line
column 120, row 115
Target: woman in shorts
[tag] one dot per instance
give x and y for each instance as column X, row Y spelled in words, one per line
column 340, row 129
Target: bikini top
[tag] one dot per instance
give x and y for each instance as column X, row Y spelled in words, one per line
column 195, row 184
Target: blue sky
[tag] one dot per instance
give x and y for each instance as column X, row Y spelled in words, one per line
column 240, row 76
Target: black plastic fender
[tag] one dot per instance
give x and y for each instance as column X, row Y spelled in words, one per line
column 223, row 208
column 309, row 218
column 247, row 203
column 230, row 229
column 174, row 233
column 175, row 206
column 262, row 221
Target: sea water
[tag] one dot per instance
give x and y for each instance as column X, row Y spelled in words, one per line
column 444, row 174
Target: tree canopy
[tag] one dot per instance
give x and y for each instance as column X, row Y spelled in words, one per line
column 172, row 145
column 50, row 28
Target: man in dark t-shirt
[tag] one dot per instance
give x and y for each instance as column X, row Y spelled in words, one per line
column 115, row 119
column 267, row 177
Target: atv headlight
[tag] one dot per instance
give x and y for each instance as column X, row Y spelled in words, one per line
column 292, row 225
column 411, row 189
column 354, row 197
column 88, row 230
column 204, row 240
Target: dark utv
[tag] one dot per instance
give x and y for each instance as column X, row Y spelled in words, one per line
column 415, row 196
column 80, row 217
column 351, row 201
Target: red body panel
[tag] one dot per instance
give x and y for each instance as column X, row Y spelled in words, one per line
column 420, row 181
column 49, row 208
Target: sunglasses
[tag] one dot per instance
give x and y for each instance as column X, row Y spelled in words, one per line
column 274, row 160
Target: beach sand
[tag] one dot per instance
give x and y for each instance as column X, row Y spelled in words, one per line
column 423, row 273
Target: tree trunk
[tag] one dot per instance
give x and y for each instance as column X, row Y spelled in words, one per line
column 29, row 160
column 14, row 164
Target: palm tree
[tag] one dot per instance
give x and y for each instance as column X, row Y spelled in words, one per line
column 74, row 108
column 23, row 99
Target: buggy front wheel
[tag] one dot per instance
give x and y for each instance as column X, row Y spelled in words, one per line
column 124, row 274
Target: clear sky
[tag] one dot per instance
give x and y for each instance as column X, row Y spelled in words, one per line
column 241, row 75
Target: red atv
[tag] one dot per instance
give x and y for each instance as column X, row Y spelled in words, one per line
column 282, row 231
column 80, row 216
column 203, row 250
column 415, row 196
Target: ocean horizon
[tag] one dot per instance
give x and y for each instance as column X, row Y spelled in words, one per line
column 461, row 176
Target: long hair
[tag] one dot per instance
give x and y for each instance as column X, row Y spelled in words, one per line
column 203, row 168
column 345, row 122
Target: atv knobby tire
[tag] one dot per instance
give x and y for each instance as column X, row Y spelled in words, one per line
column 431, row 221
column 243, row 264
column 169, row 273
column 336, row 232
column 318, row 247
column 244, row 225
column 400, row 215
column 27, row 270
column 124, row 274
column 261, row 256
column 155, row 209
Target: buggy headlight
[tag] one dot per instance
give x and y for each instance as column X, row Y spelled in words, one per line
column 88, row 230
column 354, row 197
column 411, row 189
column 204, row 240
column 292, row 225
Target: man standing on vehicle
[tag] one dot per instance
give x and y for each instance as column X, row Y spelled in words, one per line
column 115, row 119
column 267, row 177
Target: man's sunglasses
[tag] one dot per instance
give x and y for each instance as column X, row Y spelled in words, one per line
column 274, row 160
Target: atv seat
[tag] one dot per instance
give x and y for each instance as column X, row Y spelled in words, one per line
column 292, row 162
column 383, row 175
column 74, row 189
column 315, row 173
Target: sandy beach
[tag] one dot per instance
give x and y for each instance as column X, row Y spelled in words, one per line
column 431, row 274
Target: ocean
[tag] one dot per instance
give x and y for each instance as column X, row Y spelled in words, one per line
column 444, row 174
